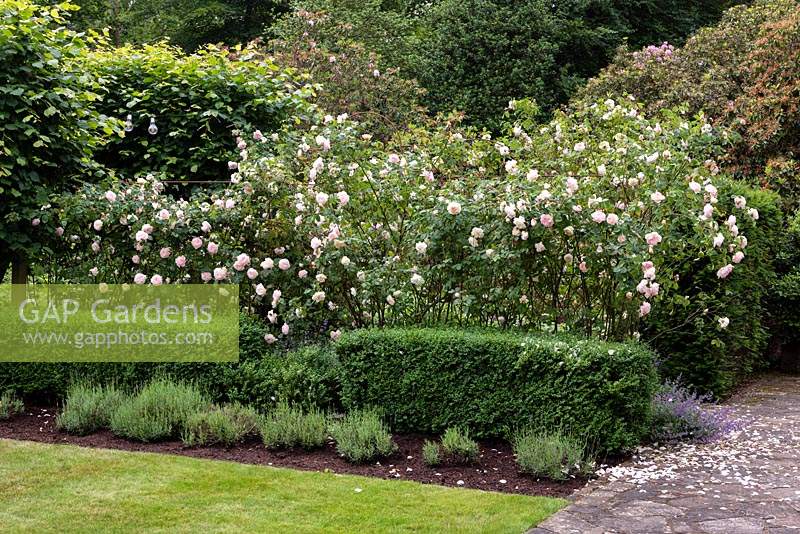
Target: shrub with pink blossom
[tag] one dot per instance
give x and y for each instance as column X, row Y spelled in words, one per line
column 570, row 225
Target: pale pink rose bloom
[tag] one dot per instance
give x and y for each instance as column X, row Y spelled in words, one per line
column 740, row 202
column 36, row 222
column 583, row 267
column 163, row 214
column 695, row 187
column 139, row 278
column 453, row 208
column 156, row 280
column 285, row 329
column 95, row 246
column 232, row 165
column 343, row 197
column 230, row 204
column 336, row 334
column 599, row 217
column 738, row 257
column 97, row 225
column 197, row 242
column 644, row 309
column 718, row 240
column 318, row 297
column 206, row 276
column 242, row 261
column 641, row 287
column 572, row 185
column 220, row 273
column 252, row 274
column 141, row 235
column 111, row 196
column 93, row 271
column 148, row 228
column 653, row 238
column 647, row 265
column 725, row 271
column 394, row 158
column 135, row 259
column 180, row 261
column 267, row 264
column 753, row 213
column 165, row 252
column 283, row 264
column 205, row 227
column 315, row 243
column 612, row 219
column 302, row 273
column 539, row 247
column 60, row 231
column 261, row 290
column 657, row 197
column 708, row 211
column 546, row 220
column 321, row 198
column 276, row 296
column 212, row 248
column 269, row 338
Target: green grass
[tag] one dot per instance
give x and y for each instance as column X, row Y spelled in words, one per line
column 62, row 488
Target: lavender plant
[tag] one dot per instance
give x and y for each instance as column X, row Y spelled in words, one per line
column 680, row 414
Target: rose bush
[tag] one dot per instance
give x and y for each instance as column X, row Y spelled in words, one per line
column 578, row 224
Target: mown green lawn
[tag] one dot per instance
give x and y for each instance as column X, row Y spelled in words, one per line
column 62, row 488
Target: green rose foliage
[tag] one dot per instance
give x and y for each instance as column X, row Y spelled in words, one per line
column 689, row 334
column 196, row 101
column 588, row 223
column 48, row 124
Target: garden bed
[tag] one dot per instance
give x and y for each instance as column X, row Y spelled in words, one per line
column 494, row 471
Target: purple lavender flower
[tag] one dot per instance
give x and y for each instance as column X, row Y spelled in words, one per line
column 680, row 414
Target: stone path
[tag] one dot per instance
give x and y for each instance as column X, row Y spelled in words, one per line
column 746, row 483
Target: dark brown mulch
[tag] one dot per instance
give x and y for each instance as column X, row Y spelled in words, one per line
column 494, row 471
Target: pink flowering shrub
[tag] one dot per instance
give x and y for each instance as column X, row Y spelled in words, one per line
column 571, row 225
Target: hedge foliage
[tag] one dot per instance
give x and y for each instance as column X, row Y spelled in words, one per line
column 305, row 376
column 196, row 100
column 426, row 380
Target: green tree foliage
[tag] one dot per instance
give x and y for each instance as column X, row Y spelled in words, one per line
column 655, row 21
column 48, row 128
column 389, row 32
column 353, row 80
column 476, row 55
column 742, row 72
column 186, row 23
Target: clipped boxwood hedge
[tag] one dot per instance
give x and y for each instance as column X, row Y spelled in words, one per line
column 426, row 380
column 263, row 375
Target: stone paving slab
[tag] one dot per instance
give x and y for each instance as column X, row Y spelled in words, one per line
column 748, row 482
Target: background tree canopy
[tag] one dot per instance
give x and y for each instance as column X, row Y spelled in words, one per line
column 469, row 55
